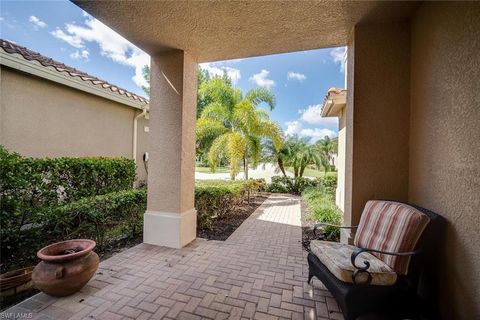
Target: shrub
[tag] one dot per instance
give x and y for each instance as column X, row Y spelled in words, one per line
column 29, row 184
column 31, row 187
column 328, row 183
column 322, row 208
column 282, row 184
column 98, row 217
column 215, row 198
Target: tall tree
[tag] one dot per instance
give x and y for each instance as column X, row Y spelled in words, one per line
column 232, row 126
column 327, row 147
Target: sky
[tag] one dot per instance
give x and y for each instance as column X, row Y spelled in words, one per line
column 64, row 32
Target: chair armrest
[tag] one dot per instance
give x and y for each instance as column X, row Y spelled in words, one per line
column 364, row 269
column 324, row 224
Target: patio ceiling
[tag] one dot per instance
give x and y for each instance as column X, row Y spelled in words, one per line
column 219, row 30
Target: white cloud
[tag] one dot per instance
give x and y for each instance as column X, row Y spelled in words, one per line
column 215, row 69
column 71, row 40
column 296, row 76
column 316, row 134
column 80, row 54
column 112, row 45
column 261, row 79
column 338, row 56
column 293, row 128
column 312, row 115
column 37, row 23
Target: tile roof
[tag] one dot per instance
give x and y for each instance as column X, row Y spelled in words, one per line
column 30, row 55
column 335, row 90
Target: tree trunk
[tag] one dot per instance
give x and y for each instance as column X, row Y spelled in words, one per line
column 302, row 169
column 245, row 164
column 280, row 165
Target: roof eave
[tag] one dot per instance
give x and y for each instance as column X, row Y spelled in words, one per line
column 18, row 62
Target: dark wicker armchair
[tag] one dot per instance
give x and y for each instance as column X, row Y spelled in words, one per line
column 390, row 269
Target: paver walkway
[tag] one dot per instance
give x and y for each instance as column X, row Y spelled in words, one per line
column 260, row 272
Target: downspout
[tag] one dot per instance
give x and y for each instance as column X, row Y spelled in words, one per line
column 135, row 125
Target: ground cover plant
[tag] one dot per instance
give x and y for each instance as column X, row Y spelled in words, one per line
column 322, row 208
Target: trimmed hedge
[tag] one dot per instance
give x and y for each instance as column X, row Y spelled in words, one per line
column 215, row 198
column 28, row 183
column 100, row 218
column 31, row 190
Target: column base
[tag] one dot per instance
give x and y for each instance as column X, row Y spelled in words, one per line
column 174, row 230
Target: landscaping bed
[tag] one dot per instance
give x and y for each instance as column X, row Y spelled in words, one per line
column 318, row 206
column 223, row 226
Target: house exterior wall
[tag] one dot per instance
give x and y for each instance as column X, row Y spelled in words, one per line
column 445, row 142
column 377, row 116
column 40, row 118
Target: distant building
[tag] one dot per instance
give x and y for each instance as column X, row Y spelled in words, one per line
column 335, row 105
column 49, row 109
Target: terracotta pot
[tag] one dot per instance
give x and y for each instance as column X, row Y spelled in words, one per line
column 65, row 267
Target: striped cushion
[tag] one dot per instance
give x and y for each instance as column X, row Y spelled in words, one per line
column 390, row 226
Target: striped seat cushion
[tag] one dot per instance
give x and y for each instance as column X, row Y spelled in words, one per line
column 391, row 226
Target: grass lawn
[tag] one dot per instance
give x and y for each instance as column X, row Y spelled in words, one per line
column 217, row 170
column 314, row 173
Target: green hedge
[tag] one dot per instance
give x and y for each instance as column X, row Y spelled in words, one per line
column 282, row 184
column 31, row 183
column 30, row 188
column 214, row 198
column 101, row 218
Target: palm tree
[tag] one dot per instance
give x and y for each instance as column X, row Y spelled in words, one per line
column 232, row 126
column 300, row 154
column 327, row 147
column 296, row 153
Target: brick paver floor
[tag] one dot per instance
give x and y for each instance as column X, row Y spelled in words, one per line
column 259, row 272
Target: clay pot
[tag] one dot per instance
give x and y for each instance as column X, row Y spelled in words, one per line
column 65, row 267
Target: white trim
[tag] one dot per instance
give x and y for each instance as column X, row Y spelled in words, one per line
column 33, row 67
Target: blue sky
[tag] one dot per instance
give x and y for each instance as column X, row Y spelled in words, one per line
column 64, row 32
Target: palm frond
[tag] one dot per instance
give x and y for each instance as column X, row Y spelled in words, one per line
column 218, row 150
column 259, row 95
column 236, row 149
column 216, row 111
column 208, row 128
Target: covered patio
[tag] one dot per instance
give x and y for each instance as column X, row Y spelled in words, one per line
column 260, row 272
column 411, row 130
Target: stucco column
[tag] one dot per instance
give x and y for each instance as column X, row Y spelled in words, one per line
column 377, row 118
column 171, row 219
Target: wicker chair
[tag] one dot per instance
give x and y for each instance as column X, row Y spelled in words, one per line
column 391, row 269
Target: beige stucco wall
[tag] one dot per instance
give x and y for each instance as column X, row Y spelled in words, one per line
column 445, row 142
column 40, row 118
column 378, row 99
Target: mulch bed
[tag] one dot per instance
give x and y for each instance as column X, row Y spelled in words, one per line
column 225, row 225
